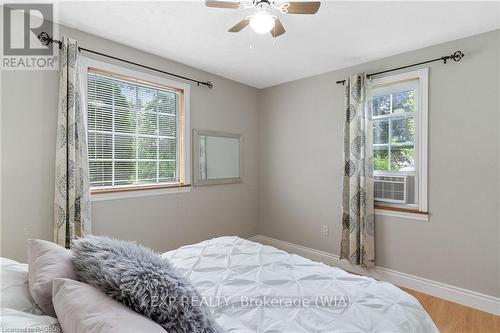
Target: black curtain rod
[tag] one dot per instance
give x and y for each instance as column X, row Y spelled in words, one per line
column 457, row 56
column 45, row 39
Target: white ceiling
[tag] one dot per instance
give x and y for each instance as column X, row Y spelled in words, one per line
column 341, row 34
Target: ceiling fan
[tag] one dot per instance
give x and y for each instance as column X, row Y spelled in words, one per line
column 262, row 21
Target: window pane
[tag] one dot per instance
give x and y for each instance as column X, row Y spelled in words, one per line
column 403, row 101
column 402, row 130
column 147, row 171
column 147, row 148
column 167, row 170
column 381, row 131
column 381, row 158
column 167, row 102
column 146, row 99
column 147, row 123
column 125, row 120
column 124, row 95
column 103, row 91
column 100, row 173
column 91, row 113
column 402, row 159
column 125, row 147
column 125, row 173
column 168, row 125
column 168, row 148
column 100, row 145
column 381, row 105
column 91, row 84
column 99, row 118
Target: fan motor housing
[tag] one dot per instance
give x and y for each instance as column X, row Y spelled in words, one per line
column 263, row 5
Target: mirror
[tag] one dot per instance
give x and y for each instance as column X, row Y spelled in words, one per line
column 217, row 157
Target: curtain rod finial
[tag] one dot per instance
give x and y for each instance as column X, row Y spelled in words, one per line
column 44, row 38
column 457, row 56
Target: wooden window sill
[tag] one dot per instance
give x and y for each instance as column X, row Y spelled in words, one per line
column 136, row 188
column 405, row 213
column 137, row 191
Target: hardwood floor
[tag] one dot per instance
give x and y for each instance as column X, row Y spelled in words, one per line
column 453, row 318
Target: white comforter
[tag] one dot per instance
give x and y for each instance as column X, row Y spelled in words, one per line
column 18, row 311
column 254, row 288
column 243, row 279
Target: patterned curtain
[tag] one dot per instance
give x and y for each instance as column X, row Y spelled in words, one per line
column 358, row 220
column 72, row 195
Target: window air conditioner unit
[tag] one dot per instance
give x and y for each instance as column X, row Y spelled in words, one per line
column 392, row 189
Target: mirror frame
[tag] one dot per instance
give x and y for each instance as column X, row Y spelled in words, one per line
column 196, row 158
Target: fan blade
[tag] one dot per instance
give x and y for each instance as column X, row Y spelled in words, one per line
column 278, row 29
column 303, row 7
column 240, row 25
column 222, row 4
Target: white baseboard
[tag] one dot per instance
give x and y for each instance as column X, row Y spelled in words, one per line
column 450, row 293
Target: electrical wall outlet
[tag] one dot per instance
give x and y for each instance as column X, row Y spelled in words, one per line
column 324, row 230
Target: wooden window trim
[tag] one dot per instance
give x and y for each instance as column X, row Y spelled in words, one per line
column 127, row 78
column 399, row 209
column 182, row 135
column 98, row 191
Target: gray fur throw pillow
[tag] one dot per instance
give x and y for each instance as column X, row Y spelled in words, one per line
column 144, row 281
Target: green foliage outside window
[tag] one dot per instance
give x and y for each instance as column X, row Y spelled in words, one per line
column 393, row 132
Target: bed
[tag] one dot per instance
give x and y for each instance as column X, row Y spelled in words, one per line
column 18, row 311
column 257, row 288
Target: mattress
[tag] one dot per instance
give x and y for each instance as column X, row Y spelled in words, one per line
column 258, row 288
column 254, row 288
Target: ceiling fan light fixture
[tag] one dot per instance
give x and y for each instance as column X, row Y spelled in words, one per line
column 262, row 22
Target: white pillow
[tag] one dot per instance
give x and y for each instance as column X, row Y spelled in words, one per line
column 82, row 308
column 47, row 261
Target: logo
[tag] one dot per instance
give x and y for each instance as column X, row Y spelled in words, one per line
column 22, row 24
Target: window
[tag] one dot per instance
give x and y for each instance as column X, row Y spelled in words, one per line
column 136, row 130
column 399, row 108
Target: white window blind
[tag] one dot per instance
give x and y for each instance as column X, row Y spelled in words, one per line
column 132, row 132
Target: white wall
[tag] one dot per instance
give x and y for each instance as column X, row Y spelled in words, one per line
column 301, row 144
column 29, row 106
